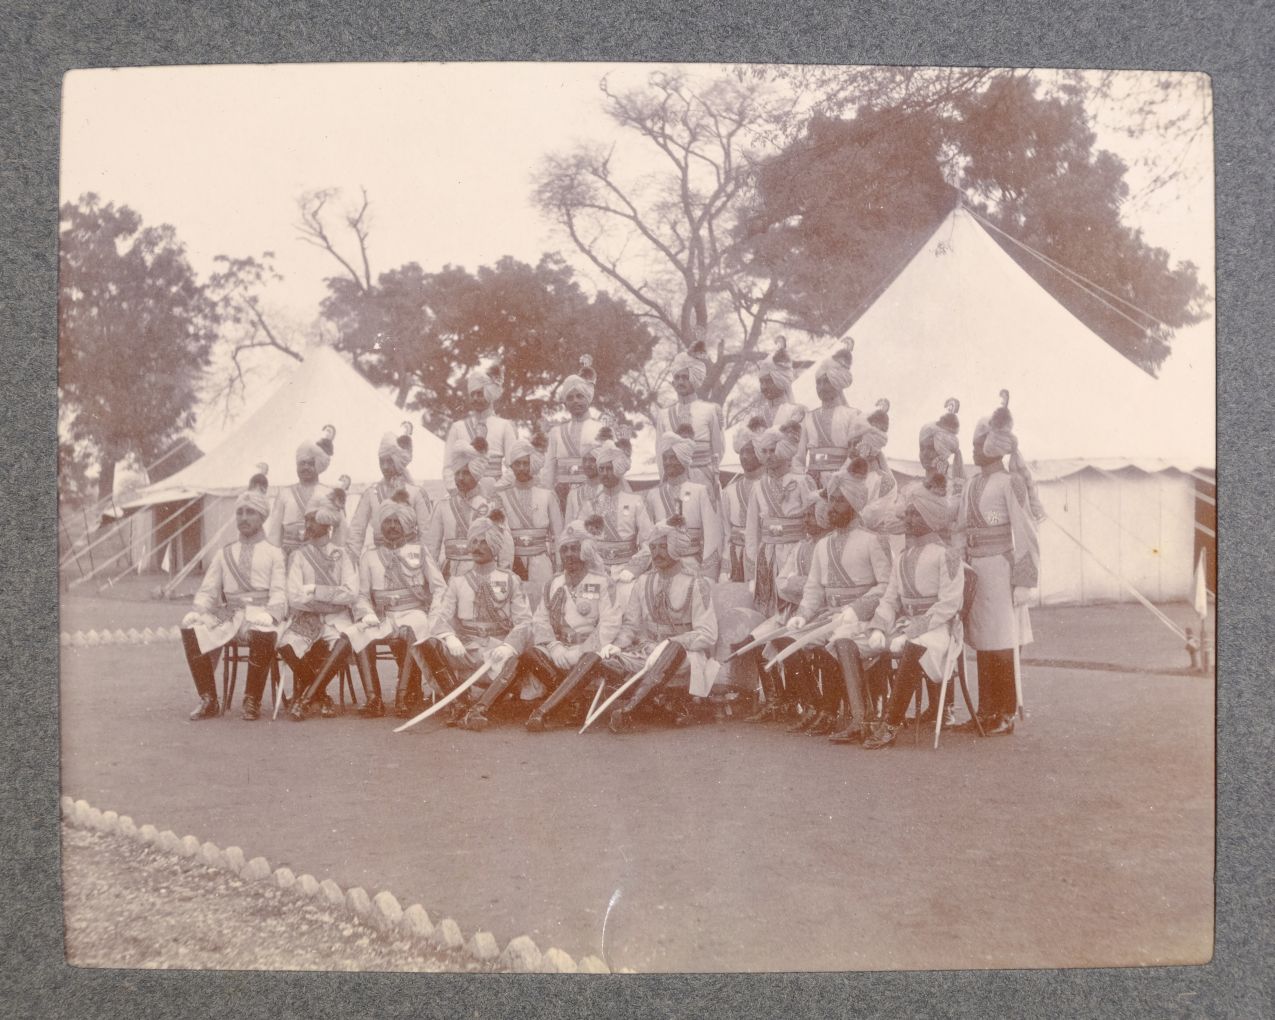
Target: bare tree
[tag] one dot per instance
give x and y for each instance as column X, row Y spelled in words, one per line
column 669, row 239
column 314, row 231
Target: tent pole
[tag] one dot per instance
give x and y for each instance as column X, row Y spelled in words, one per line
column 189, row 567
column 1136, row 594
column 131, row 568
column 128, row 548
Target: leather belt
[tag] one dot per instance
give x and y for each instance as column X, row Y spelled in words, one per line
column 784, row 532
column 239, row 599
column 616, row 552
column 397, row 598
column 478, row 628
column 844, row 596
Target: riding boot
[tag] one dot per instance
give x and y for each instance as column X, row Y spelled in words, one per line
column 433, row 653
column 661, row 670
column 577, row 676
column 318, row 687
column 476, row 718
column 201, row 671
column 770, row 694
column 261, row 647
column 906, row 681
column 856, row 686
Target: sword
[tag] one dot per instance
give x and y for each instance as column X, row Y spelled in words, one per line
column 805, row 637
column 448, row 699
column 655, row 653
column 768, row 629
column 278, row 699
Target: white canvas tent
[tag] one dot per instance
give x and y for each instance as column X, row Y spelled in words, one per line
column 324, row 390
column 1113, row 449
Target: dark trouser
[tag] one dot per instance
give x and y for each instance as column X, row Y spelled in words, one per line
column 906, row 681
column 533, row 661
column 261, row 652
column 574, row 683
column 305, row 667
column 996, row 693
column 831, row 687
column 336, row 659
column 664, row 667
column 203, row 665
column 434, row 654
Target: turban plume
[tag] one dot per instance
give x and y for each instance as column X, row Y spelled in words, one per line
column 390, row 448
column 323, row 509
column 836, row 371
column 313, row 451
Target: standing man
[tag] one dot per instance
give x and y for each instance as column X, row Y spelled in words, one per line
column 569, row 439
column 285, row 527
column 702, row 418
column 775, row 524
column 446, row 536
column 825, row 431
column 775, row 381
column 736, row 497
column 679, row 494
column 483, row 390
column 398, row 582
column 483, row 617
column 322, row 589
column 241, row 598
column 535, row 520
column 922, row 604
column 588, row 489
column 393, row 455
column 1001, row 545
column 618, row 521
column 667, row 602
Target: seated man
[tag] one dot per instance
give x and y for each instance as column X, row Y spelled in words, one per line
column 667, row 602
column 575, row 617
column 322, row 587
column 920, row 610
column 482, row 618
column 241, row 599
column 848, row 574
column 398, row 580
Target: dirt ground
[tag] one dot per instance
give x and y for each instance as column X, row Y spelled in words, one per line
column 127, row 905
column 1086, row 838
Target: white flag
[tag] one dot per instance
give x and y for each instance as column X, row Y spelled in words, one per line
column 1200, row 598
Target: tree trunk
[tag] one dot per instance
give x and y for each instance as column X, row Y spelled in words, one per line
column 106, row 480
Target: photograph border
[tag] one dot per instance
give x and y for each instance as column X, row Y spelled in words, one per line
column 1222, row 40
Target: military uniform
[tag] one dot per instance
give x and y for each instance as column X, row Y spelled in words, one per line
column 773, row 529
column 705, row 422
column 285, row 527
column 703, row 524
column 535, row 522
column 365, row 513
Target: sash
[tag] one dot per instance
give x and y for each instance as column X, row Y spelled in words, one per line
column 232, row 567
column 666, row 618
column 825, row 454
column 488, row 612
column 672, row 504
column 398, row 576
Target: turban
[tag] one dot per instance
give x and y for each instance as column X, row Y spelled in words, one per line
column 852, row 487
column 995, row 434
column 672, row 531
column 835, row 371
column 773, row 439
column 692, row 365
column 744, row 437
column 937, row 443
column 683, row 448
column 472, row 460
column 323, row 509
column 863, row 435
column 821, row 514
column 778, row 369
column 576, row 382
column 520, row 448
column 390, row 447
column 492, row 530
column 933, row 506
column 482, row 381
column 254, row 499
column 575, row 533
column 608, row 453
column 394, row 509
column 315, row 452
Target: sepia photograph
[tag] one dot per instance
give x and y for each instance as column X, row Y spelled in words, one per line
column 635, row 518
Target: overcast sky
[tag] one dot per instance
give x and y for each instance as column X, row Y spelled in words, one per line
column 446, row 152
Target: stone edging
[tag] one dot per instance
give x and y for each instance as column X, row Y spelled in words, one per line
column 132, row 636
column 381, row 912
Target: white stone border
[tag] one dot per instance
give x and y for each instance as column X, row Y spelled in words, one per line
column 132, row 636
column 380, row 912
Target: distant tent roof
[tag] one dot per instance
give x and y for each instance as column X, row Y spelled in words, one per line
column 963, row 320
column 324, row 390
